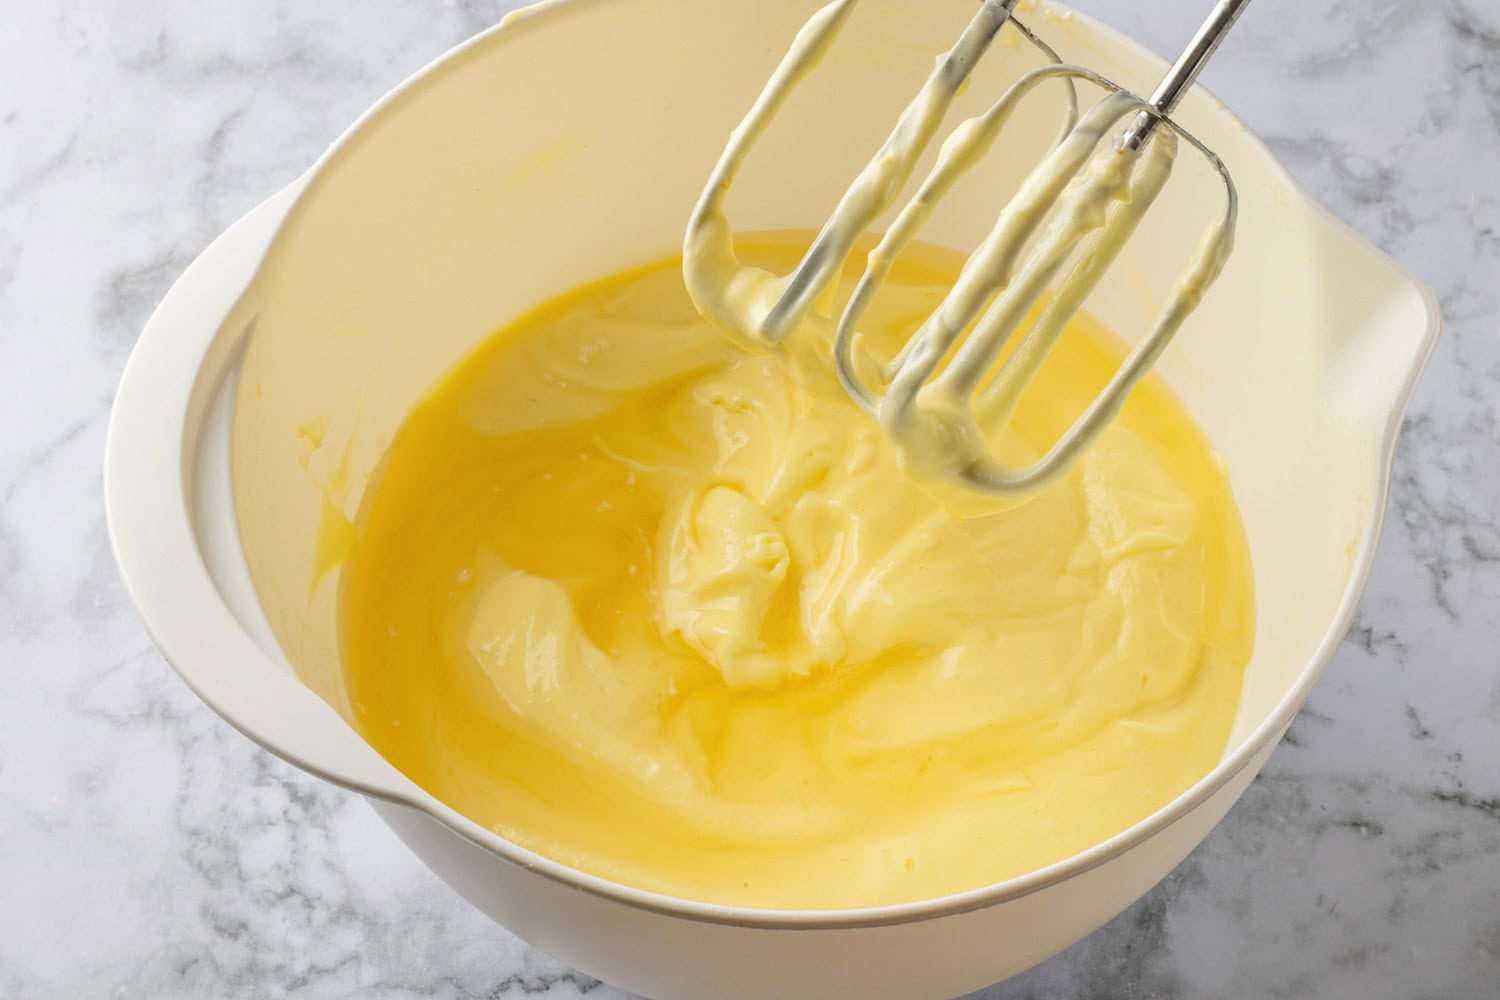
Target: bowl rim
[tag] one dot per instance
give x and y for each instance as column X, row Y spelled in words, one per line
column 151, row 578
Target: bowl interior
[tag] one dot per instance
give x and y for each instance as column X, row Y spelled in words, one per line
column 572, row 143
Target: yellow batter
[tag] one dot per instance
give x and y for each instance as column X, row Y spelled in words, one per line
column 668, row 612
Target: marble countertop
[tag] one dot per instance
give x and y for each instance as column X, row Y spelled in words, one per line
column 148, row 850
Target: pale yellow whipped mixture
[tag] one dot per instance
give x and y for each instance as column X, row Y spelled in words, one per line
column 668, row 612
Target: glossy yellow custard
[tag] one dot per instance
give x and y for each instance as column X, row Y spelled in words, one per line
column 668, row 612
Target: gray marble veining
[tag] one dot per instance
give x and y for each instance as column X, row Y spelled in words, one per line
column 147, row 850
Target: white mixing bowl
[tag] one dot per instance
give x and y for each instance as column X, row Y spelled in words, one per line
column 567, row 144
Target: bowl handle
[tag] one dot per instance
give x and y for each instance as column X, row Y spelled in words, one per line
column 155, row 428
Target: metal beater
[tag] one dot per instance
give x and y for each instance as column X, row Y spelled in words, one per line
column 943, row 397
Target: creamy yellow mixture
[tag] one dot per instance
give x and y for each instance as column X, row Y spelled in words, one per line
column 668, row 612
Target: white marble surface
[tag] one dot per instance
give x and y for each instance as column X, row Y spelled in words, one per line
column 147, row 850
